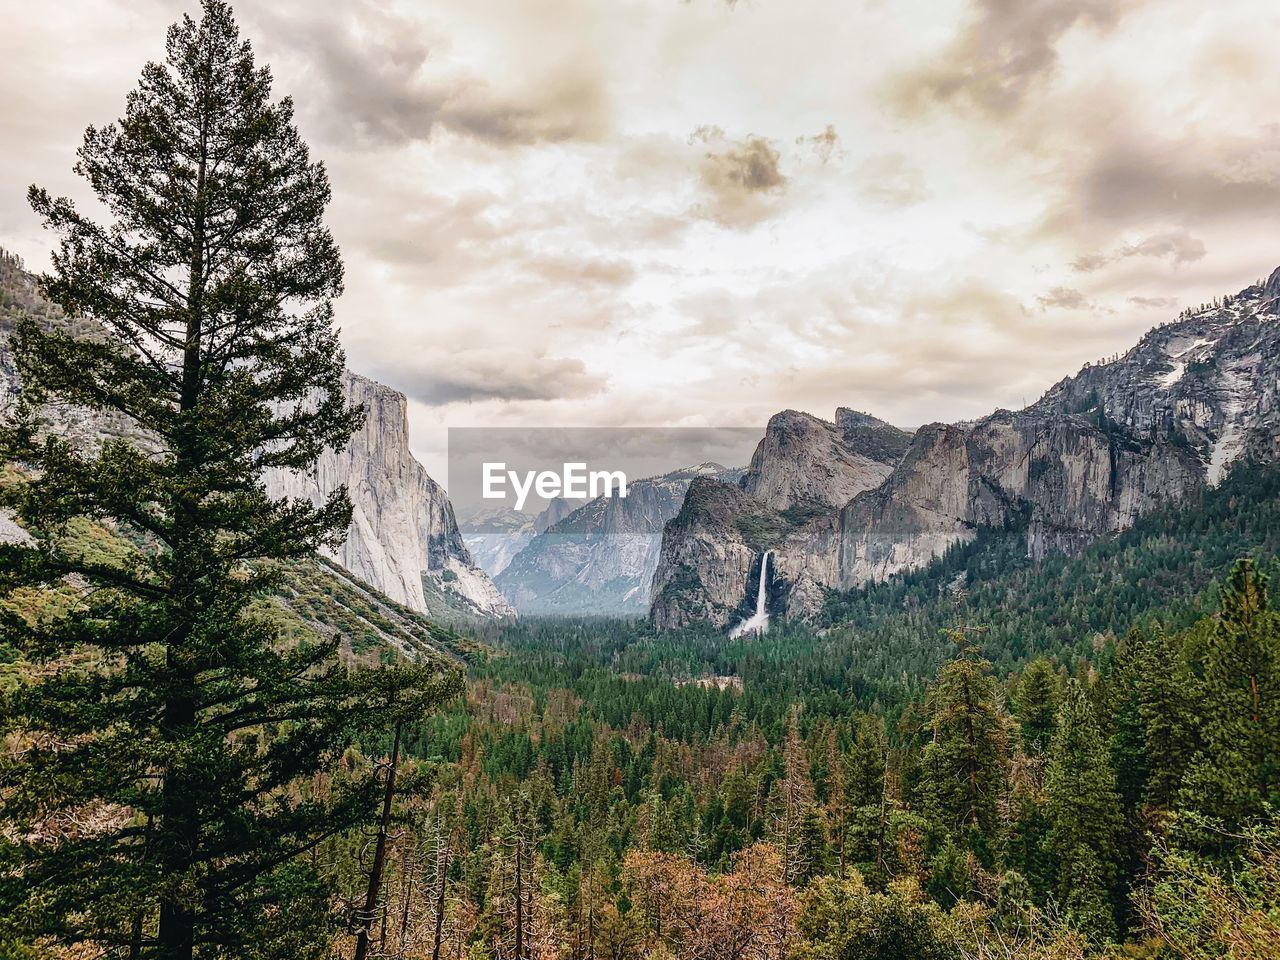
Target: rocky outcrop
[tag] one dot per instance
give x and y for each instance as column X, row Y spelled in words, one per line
column 802, row 472
column 1207, row 381
column 705, row 558
column 1096, row 452
column 601, row 558
column 804, row 460
column 403, row 539
column 1063, row 480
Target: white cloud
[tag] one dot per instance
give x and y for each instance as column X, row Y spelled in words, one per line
column 532, row 236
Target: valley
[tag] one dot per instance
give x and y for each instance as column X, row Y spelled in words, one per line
column 776, row 590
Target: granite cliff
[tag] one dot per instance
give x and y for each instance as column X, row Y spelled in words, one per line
column 403, row 538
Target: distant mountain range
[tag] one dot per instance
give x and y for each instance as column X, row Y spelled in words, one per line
column 839, row 503
column 846, row 503
column 494, row 536
column 601, row 557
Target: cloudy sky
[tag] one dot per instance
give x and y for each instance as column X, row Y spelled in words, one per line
column 655, row 212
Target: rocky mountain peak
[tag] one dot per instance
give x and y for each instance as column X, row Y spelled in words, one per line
column 1271, row 288
column 804, row 459
column 848, row 420
column 1206, row 381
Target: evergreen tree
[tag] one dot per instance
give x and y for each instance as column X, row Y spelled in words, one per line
column 164, row 723
column 963, row 765
column 1128, row 741
column 791, row 822
column 843, row 920
column 1084, row 816
column 864, row 804
column 1037, row 703
column 1168, row 704
column 1237, row 770
column 1127, row 727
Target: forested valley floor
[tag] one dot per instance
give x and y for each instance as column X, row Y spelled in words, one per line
column 988, row 758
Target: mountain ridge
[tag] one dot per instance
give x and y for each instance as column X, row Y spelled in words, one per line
column 601, row 557
column 1098, row 450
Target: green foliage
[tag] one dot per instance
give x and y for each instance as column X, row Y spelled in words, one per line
column 1084, row 816
column 763, row 531
column 1037, row 705
column 1236, row 772
column 843, row 920
column 963, row 763
column 1196, row 910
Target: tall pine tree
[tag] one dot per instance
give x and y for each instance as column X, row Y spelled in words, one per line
column 1037, row 702
column 1237, row 771
column 162, row 723
column 964, row 762
column 1168, row 706
column 1084, row 816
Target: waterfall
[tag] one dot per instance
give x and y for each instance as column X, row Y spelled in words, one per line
column 759, row 621
column 762, row 589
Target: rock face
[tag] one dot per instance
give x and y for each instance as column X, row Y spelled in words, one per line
column 1094, row 453
column 600, row 559
column 403, row 539
column 706, row 558
column 804, row 460
column 802, row 472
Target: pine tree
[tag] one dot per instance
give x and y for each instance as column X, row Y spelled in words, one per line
column 1084, row 816
column 1129, row 760
column 1168, row 704
column 1127, row 727
column 512, row 902
column 963, row 766
column 163, row 720
column 1037, row 701
column 1237, row 770
column 866, row 770
column 792, row 823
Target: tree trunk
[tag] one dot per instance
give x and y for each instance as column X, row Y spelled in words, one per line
column 180, row 838
column 519, row 904
column 442, row 868
column 411, row 866
column 379, row 855
column 180, row 829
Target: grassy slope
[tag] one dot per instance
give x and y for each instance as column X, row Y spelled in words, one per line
column 317, row 598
